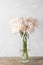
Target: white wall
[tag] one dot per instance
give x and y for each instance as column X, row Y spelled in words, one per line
column 9, row 43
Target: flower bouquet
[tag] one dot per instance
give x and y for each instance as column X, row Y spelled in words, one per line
column 24, row 26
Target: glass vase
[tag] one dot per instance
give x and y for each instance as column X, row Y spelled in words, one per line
column 24, row 49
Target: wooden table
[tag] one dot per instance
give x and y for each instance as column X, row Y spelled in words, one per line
column 16, row 61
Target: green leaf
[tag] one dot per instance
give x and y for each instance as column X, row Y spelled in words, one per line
column 21, row 33
column 27, row 35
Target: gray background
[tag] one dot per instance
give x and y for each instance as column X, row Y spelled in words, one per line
column 10, row 43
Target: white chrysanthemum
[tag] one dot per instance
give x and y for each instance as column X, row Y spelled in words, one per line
column 15, row 25
column 23, row 24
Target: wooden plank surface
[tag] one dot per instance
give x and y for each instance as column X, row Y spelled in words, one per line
column 16, row 61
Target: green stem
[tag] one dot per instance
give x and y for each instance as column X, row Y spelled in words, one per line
column 25, row 52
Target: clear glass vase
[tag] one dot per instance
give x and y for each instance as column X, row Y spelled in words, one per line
column 24, row 49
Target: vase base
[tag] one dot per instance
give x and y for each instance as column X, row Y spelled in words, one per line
column 24, row 61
